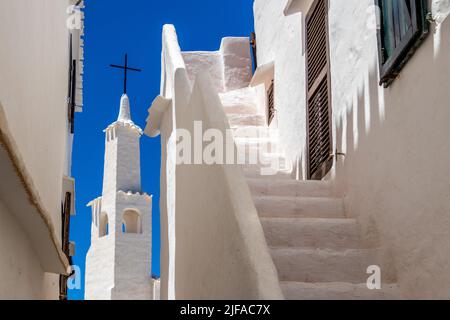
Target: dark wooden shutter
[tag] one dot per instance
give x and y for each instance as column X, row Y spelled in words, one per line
column 65, row 227
column 271, row 102
column 73, row 96
column 72, row 87
column 254, row 48
column 319, row 139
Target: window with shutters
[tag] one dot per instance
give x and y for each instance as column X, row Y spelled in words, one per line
column 103, row 229
column 402, row 27
column 65, row 222
column 72, row 87
column 319, row 144
column 132, row 222
column 254, row 54
column 271, row 103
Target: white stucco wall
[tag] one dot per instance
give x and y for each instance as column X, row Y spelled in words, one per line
column 211, row 61
column 230, row 67
column 132, row 272
column 99, row 280
column 279, row 40
column 34, row 67
column 33, row 89
column 395, row 173
column 166, row 227
column 21, row 276
column 156, row 289
column 122, row 168
column 118, row 265
column 221, row 252
column 198, row 257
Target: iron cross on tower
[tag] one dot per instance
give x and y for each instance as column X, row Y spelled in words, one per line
column 125, row 68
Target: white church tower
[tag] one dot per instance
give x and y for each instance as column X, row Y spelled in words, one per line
column 118, row 263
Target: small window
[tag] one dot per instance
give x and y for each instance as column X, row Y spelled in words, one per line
column 402, row 27
column 318, row 79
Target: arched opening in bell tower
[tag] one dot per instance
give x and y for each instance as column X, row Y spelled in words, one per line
column 131, row 221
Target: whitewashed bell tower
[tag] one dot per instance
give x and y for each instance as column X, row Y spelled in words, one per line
column 118, row 263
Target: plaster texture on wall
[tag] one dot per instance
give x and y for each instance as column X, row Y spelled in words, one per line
column 440, row 9
column 118, row 265
column 395, row 173
column 33, row 90
column 211, row 61
column 237, row 267
column 230, row 68
column 21, row 277
column 122, row 168
column 200, row 259
column 128, row 160
column 279, row 41
column 175, row 87
column 156, row 289
column 100, row 269
column 253, row 98
column 396, row 140
column 166, row 207
column 132, row 274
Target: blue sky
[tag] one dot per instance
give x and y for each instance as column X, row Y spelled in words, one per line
column 113, row 28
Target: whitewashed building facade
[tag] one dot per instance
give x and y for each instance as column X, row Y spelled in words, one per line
column 41, row 67
column 351, row 98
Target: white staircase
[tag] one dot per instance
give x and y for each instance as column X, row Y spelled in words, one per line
column 317, row 251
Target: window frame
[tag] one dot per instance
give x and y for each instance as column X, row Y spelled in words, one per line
column 103, row 225
column 71, row 95
column 271, row 102
column 391, row 67
column 312, row 88
column 65, row 227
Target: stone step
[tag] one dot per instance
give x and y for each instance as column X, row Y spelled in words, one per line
column 337, row 291
column 291, row 188
column 323, row 265
column 240, row 109
column 244, row 100
column 256, row 146
column 257, row 171
column 246, row 119
column 252, row 156
column 295, row 207
column 250, row 132
column 257, row 142
column 311, row 233
column 274, row 159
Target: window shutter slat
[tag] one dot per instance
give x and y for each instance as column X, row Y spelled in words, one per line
column 318, row 84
